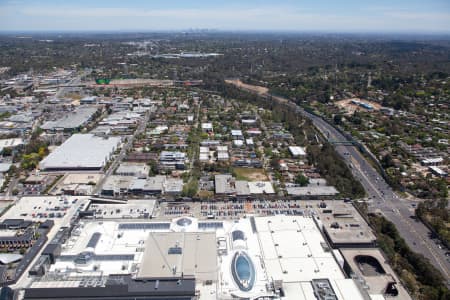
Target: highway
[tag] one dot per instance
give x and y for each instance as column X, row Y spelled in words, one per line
column 381, row 197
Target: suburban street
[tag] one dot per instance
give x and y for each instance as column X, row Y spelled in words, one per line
column 123, row 152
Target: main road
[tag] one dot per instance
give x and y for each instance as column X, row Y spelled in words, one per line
column 381, row 197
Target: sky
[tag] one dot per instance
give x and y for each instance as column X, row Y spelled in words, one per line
column 389, row 16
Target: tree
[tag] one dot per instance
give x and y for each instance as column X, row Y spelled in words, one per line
column 7, row 151
column 302, row 180
column 190, row 188
column 387, row 161
column 153, row 168
column 337, row 119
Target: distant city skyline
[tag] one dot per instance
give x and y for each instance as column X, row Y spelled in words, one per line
column 401, row 16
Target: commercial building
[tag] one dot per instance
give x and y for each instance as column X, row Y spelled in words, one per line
column 88, row 100
column 204, row 154
column 311, row 191
column 10, row 143
column 368, row 265
column 81, row 152
column 227, row 185
column 176, row 254
column 172, row 160
column 116, row 185
column 173, row 186
column 71, row 120
column 280, row 257
column 343, row 226
column 224, row 184
column 133, row 169
column 297, row 151
column 114, row 287
column 261, row 187
column 222, row 153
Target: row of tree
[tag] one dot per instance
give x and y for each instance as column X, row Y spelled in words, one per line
column 420, row 277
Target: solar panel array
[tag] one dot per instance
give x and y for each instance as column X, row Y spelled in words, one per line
column 114, row 257
column 253, row 224
column 238, row 235
column 93, row 241
column 175, row 250
column 210, row 225
column 99, row 257
column 141, row 226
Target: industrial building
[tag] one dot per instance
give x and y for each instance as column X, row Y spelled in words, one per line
column 71, row 121
column 81, row 152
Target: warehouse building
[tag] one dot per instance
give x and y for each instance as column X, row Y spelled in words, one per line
column 71, row 121
column 81, row 152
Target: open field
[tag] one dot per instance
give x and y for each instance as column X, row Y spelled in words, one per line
column 252, row 88
column 205, row 194
column 250, row 174
column 350, row 107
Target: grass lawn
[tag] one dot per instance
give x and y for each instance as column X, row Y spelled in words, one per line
column 205, row 194
column 250, row 174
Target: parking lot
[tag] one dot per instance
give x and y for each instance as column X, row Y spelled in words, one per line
column 235, row 209
column 175, row 209
column 131, row 210
column 59, row 209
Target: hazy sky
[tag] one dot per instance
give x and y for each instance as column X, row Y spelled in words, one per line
column 421, row 16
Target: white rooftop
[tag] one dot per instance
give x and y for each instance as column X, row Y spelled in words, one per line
column 293, row 249
column 287, row 248
column 73, row 119
column 261, row 187
column 81, row 151
column 6, row 143
column 207, row 126
column 312, row 190
column 297, row 151
column 238, row 143
column 236, row 132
